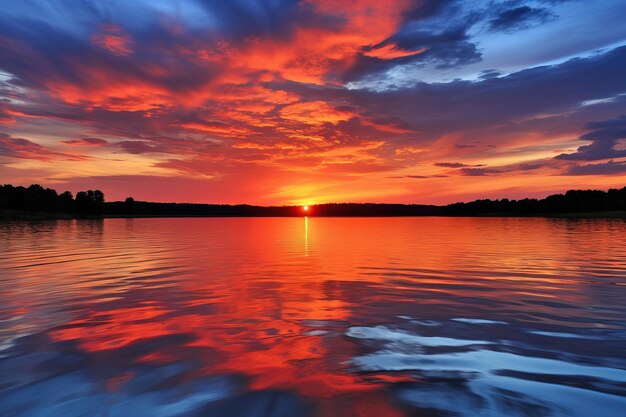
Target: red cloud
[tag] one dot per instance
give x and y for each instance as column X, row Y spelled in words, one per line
column 6, row 115
column 113, row 39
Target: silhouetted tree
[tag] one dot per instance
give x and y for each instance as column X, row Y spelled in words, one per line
column 98, row 202
column 82, row 203
column 129, row 205
column 66, row 202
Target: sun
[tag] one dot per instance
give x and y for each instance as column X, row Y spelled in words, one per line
column 305, row 208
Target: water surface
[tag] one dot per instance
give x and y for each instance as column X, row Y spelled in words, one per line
column 312, row 317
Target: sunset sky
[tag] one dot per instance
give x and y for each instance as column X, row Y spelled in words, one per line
column 299, row 102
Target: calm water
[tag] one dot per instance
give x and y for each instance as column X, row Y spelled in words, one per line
column 313, row 317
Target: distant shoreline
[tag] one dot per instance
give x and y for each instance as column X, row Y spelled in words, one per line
column 610, row 214
column 36, row 202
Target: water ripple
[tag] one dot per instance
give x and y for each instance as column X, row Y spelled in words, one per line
column 322, row 317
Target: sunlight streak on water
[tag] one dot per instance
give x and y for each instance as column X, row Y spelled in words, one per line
column 313, row 316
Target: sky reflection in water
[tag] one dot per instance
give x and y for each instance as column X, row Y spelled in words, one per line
column 318, row 316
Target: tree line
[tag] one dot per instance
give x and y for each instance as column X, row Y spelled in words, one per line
column 573, row 201
column 36, row 199
column 145, row 208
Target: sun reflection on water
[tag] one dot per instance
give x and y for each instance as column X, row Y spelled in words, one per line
column 306, row 236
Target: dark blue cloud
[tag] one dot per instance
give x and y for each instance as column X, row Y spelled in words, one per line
column 447, row 48
column 240, row 19
column 440, row 108
column 522, row 17
column 446, row 31
column 607, row 168
column 42, row 54
column 436, row 28
column 604, row 137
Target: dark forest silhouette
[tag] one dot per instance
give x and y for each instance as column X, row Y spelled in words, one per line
column 36, row 199
column 573, row 201
column 45, row 201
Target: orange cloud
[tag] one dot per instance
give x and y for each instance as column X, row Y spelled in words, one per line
column 112, row 93
column 113, row 39
column 384, row 127
column 314, row 112
column 312, row 52
column 391, row 51
column 217, row 128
